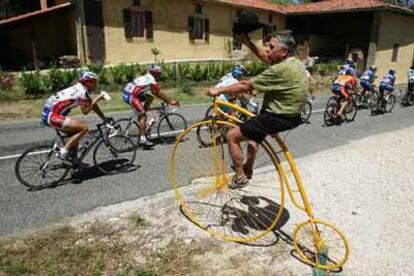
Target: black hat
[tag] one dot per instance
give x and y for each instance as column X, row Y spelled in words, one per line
column 248, row 22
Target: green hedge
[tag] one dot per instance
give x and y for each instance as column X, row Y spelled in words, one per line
column 38, row 84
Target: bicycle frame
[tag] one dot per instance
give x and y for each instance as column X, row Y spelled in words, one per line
column 306, row 207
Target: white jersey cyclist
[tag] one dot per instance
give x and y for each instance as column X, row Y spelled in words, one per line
column 59, row 105
column 136, row 91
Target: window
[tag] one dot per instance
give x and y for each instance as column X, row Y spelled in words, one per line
column 239, row 13
column 395, row 48
column 270, row 18
column 267, row 31
column 198, row 28
column 136, row 2
column 198, row 9
column 138, row 23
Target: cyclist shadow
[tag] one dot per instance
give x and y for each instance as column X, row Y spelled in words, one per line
column 257, row 214
column 93, row 172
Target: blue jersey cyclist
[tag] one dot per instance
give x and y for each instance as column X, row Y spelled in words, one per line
column 387, row 82
column 231, row 78
column 368, row 79
column 350, row 66
column 410, row 78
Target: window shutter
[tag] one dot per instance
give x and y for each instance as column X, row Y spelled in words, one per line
column 149, row 25
column 127, row 23
column 206, row 29
column 191, row 27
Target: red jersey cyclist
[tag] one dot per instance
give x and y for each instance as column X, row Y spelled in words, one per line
column 58, row 106
column 140, row 93
column 343, row 86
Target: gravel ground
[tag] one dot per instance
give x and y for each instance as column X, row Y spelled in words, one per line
column 363, row 187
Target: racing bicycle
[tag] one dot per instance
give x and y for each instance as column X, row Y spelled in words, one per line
column 40, row 167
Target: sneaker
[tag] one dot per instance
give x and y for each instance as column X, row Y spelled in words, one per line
column 237, row 183
column 248, row 172
column 146, row 143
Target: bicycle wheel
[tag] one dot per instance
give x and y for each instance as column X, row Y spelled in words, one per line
column 116, row 154
column 39, row 168
column 330, row 110
column 201, row 175
column 390, row 103
column 129, row 129
column 170, row 127
column 209, row 112
column 320, row 244
column 374, row 102
column 351, row 109
column 306, row 112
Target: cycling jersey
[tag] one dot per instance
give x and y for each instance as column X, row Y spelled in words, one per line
column 410, row 75
column 342, row 84
column 60, row 104
column 368, row 76
column 387, row 83
column 226, row 80
column 345, row 67
column 135, row 91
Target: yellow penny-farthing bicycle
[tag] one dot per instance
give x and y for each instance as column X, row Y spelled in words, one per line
column 201, row 171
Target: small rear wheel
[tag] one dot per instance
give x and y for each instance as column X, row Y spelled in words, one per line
column 115, row 154
column 39, row 168
column 320, row 244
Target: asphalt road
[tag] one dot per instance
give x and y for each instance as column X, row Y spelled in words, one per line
column 22, row 210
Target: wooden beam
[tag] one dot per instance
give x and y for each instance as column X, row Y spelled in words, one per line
column 43, row 4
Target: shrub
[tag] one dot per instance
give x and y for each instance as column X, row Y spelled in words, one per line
column 6, row 81
column 60, row 79
column 34, row 83
column 185, row 87
column 96, row 67
column 327, row 67
column 119, row 73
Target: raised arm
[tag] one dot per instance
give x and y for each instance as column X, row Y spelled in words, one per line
column 260, row 53
column 235, row 88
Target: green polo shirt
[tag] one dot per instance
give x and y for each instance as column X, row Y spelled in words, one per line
column 285, row 87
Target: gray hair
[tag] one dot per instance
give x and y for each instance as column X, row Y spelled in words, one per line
column 286, row 39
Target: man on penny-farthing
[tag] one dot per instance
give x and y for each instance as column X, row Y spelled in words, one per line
column 285, row 89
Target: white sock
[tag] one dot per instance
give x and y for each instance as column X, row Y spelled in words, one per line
column 63, row 152
column 143, row 138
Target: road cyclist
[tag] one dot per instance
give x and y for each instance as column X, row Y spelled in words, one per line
column 139, row 94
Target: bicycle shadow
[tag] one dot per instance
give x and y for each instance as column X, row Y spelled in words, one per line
column 244, row 216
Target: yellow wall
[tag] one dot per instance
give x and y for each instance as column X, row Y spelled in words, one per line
column 170, row 31
column 396, row 29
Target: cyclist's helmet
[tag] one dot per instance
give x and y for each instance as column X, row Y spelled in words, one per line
column 373, row 68
column 238, row 71
column 349, row 71
column 155, row 70
column 85, row 76
column 350, row 61
column 391, row 72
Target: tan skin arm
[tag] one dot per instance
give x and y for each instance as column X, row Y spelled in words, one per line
column 242, row 86
column 93, row 106
column 260, row 53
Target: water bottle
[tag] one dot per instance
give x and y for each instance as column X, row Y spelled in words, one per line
column 151, row 122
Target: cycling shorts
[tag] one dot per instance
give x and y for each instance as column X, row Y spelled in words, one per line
column 257, row 128
column 340, row 90
column 53, row 119
column 367, row 85
column 137, row 102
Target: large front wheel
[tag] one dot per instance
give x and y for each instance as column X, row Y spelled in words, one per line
column 115, row 154
column 201, row 175
column 170, row 127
